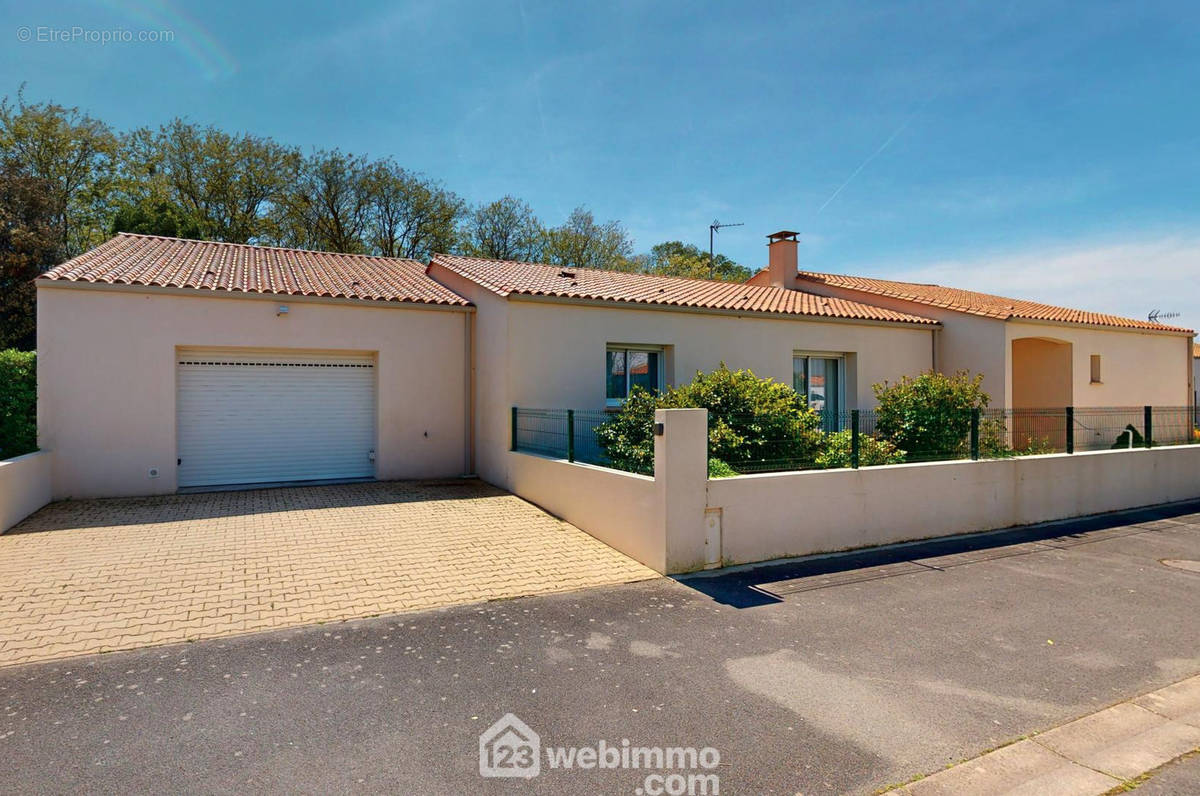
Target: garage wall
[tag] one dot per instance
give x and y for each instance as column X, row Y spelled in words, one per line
column 106, row 378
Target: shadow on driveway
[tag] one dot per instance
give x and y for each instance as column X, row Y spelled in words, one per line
column 117, row 512
column 765, row 584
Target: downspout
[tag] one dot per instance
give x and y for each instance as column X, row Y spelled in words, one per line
column 933, row 343
column 470, row 391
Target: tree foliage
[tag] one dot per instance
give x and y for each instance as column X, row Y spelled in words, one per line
column 750, row 421
column 582, row 242
column 18, row 403
column 74, row 156
column 676, row 258
column 930, row 415
column 30, row 242
column 505, row 229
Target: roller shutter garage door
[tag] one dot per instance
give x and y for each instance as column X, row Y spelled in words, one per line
column 253, row 417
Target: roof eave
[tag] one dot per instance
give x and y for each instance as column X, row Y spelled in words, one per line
column 43, row 282
column 927, row 324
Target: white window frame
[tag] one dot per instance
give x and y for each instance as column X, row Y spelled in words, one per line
column 652, row 349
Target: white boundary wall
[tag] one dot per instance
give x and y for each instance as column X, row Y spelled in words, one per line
column 24, row 487
column 680, row 521
column 620, row 509
column 793, row 514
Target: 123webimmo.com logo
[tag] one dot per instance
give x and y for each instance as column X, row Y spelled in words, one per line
column 510, row 748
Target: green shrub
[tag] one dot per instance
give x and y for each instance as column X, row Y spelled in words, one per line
column 719, row 469
column 18, row 403
column 929, row 416
column 871, row 451
column 750, row 420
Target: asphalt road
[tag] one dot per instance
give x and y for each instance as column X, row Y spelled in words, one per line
column 832, row 675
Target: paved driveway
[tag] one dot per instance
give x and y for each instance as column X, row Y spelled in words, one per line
column 101, row 575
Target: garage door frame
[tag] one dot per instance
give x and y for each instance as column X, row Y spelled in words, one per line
column 307, row 416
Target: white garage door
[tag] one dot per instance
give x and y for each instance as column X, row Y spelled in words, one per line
column 270, row 416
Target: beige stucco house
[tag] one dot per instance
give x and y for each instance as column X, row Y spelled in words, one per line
column 168, row 364
column 1032, row 355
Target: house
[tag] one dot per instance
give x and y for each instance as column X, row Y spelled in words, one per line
column 552, row 337
column 1032, row 355
column 168, row 364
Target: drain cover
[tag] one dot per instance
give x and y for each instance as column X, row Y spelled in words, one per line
column 1182, row 563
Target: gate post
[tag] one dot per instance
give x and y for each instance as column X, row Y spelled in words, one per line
column 1070, row 429
column 1149, row 424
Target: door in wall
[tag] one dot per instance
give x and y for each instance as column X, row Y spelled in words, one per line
column 262, row 416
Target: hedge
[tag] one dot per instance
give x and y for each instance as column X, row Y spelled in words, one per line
column 18, row 403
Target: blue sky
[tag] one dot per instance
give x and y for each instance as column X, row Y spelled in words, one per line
column 1040, row 149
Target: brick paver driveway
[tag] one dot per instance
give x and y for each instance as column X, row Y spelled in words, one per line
column 97, row 575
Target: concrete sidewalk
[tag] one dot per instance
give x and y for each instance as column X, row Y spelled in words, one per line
column 1087, row 757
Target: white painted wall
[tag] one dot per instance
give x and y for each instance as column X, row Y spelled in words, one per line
column 106, row 378
column 620, row 509
column 792, row 514
column 664, row 522
column 24, row 486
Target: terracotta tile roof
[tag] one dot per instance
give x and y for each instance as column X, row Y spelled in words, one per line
column 527, row 279
column 154, row 261
column 983, row 304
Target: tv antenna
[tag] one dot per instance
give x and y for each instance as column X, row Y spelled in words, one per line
column 1158, row 315
column 713, row 228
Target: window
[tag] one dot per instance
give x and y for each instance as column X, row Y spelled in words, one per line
column 630, row 366
column 1095, row 368
column 820, row 380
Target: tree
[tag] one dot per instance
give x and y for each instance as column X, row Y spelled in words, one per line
column 30, row 244
column 929, row 416
column 227, row 184
column 328, row 208
column 74, row 156
column 409, row 215
column 676, row 258
column 751, row 422
column 506, row 229
column 581, row 242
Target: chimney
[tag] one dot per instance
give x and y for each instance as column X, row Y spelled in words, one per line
column 782, row 264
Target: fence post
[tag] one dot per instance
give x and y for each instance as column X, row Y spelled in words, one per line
column 513, row 446
column 975, row 433
column 1070, row 429
column 1149, row 423
column 570, row 435
column 854, row 438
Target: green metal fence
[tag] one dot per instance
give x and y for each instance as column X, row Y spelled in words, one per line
column 563, row 433
column 865, row 438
